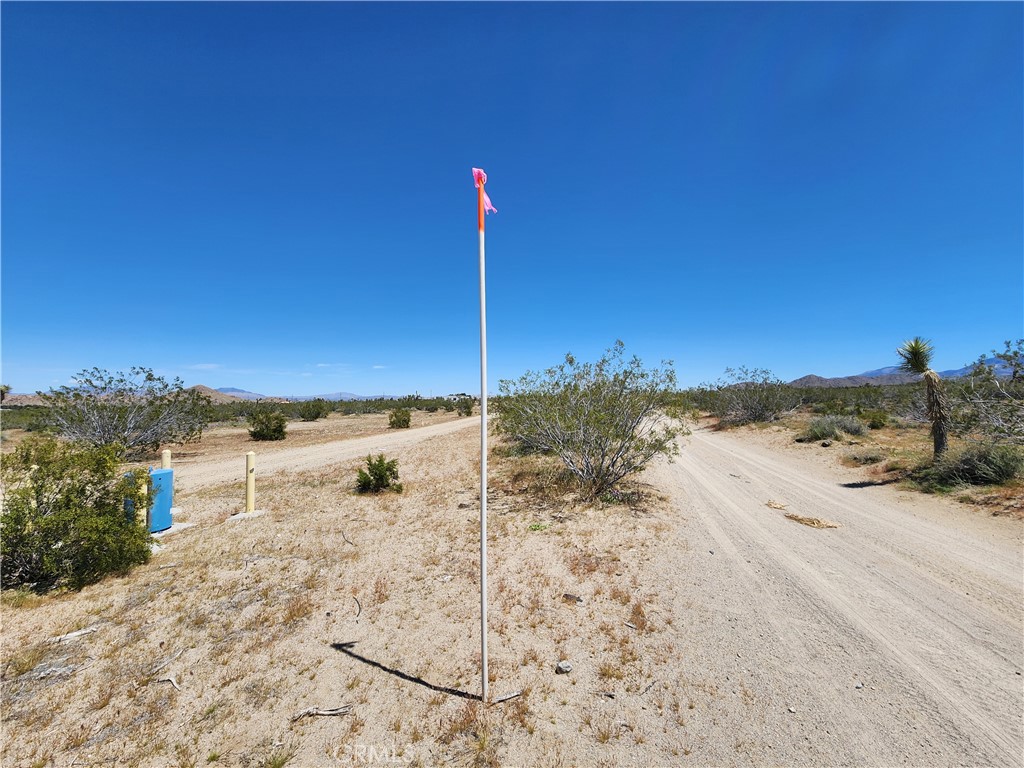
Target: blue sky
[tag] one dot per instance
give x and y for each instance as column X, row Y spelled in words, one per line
column 278, row 196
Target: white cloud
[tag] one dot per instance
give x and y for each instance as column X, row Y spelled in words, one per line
column 379, row 367
column 204, row 367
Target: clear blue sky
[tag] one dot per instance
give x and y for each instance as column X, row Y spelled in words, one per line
column 278, row 196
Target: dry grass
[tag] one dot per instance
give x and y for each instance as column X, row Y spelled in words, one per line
column 812, row 522
column 242, row 615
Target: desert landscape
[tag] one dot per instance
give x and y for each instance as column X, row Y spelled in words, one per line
column 752, row 602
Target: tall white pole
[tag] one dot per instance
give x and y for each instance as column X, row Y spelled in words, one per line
column 483, row 455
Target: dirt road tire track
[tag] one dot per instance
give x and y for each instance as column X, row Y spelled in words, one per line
column 926, row 611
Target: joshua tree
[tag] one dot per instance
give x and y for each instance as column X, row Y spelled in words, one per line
column 5, row 388
column 917, row 358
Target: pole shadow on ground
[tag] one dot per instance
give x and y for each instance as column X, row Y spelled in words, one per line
column 346, row 648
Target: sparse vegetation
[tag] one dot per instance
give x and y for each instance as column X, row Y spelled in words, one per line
column 991, row 408
column 747, row 396
column 136, row 410
column 603, row 419
column 381, row 474
column 464, row 406
column 64, row 520
column 977, row 464
column 830, row 428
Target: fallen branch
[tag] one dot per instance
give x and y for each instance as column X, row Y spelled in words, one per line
column 73, row 635
column 163, row 664
column 170, row 680
column 343, row 710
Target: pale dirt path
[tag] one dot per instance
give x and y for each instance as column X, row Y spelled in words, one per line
column 919, row 602
column 191, row 474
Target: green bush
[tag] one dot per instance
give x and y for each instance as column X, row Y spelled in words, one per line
column 381, row 474
column 822, row 428
column 136, row 410
column 980, row 464
column 876, row 419
column 64, row 519
column 851, row 425
column 464, row 406
column 747, row 396
column 831, row 428
column 400, row 418
column 603, row 420
column 266, row 423
column 311, row 410
column 448, row 406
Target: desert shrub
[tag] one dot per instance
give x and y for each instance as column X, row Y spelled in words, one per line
column 381, row 474
column 603, row 419
column 822, row 428
column 266, row 423
column 831, row 428
column 464, row 406
column 863, row 458
column 311, row 410
column 748, row 396
column 988, row 407
column 851, row 425
column 979, row 464
column 137, row 410
column 400, row 418
column 448, row 406
column 64, row 519
column 876, row 418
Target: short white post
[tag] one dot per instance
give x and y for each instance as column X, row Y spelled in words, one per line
column 143, row 514
column 165, row 459
column 250, row 481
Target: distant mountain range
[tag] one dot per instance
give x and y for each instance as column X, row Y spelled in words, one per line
column 877, row 377
column 891, row 375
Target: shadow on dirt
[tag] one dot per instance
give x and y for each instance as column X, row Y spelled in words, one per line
column 870, row 483
column 346, row 648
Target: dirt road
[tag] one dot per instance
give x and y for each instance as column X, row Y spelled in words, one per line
column 195, row 473
column 893, row 639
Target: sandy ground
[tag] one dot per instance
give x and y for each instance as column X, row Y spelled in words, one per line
column 709, row 629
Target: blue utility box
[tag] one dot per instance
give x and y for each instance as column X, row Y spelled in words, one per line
column 161, row 500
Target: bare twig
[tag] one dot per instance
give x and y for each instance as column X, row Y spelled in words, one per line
column 164, row 663
column 346, row 538
column 343, row 710
column 171, row 680
column 359, row 608
column 73, row 635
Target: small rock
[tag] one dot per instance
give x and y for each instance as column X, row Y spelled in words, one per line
column 463, row 505
column 563, row 668
column 571, row 598
column 792, row 710
column 858, row 686
column 711, row 551
column 826, row 443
